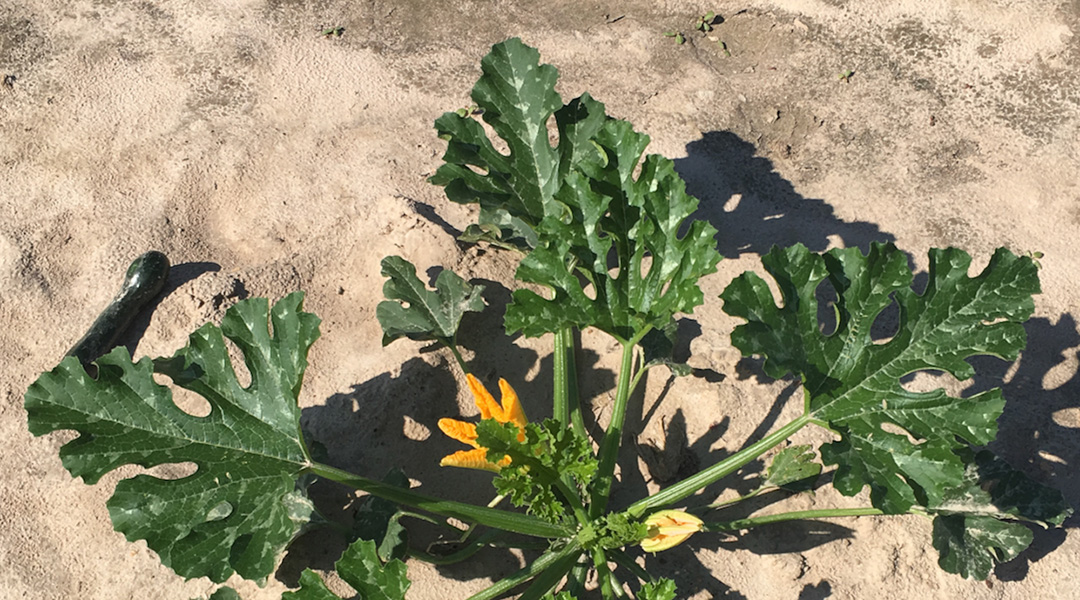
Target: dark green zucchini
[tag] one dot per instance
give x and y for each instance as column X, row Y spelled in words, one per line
column 144, row 280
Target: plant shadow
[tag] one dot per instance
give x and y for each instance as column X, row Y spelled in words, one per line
column 1039, row 429
column 753, row 207
column 367, row 431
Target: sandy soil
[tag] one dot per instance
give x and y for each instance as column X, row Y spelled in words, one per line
column 264, row 157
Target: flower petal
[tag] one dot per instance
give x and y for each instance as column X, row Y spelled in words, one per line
column 512, row 409
column 484, row 401
column 460, row 431
column 469, row 459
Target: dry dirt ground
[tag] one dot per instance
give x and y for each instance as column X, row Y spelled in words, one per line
column 264, row 157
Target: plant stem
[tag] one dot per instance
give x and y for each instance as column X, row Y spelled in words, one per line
column 638, row 374
column 499, row 519
column 609, row 447
column 452, row 345
column 572, row 549
column 718, row 471
column 798, row 515
column 560, row 403
column 458, row 556
column 628, row 563
column 603, row 573
column 722, row 503
column 566, row 407
column 472, row 527
column 572, row 499
column 575, row 581
column 549, row 578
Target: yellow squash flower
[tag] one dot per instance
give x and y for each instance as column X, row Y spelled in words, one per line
column 669, row 528
column 509, row 412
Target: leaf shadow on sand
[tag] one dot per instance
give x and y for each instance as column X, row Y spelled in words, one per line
column 1039, row 430
column 753, row 207
column 371, row 429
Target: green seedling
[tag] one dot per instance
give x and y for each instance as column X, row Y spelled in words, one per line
column 679, row 37
column 705, row 22
column 845, row 76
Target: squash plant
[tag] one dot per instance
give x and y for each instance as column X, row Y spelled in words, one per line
column 607, row 234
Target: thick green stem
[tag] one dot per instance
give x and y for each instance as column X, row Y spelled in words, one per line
column 799, row 515
column 566, row 381
column 551, row 576
column 609, row 447
column 603, row 574
column 499, row 519
column 575, row 581
column 560, row 404
column 718, row 471
column 572, row 550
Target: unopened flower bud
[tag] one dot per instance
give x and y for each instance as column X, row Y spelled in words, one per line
column 669, row 528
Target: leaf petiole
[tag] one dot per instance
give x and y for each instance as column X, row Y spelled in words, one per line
column 799, row 515
column 452, row 345
column 499, row 519
column 609, row 446
column 627, row 562
column 570, row 552
column 718, row 471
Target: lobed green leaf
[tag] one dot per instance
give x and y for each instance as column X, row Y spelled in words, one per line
column 911, row 448
column 517, row 97
column 240, row 508
column 972, row 523
column 854, row 383
column 360, row 567
column 969, row 545
column 624, row 236
column 577, row 206
column 415, row 312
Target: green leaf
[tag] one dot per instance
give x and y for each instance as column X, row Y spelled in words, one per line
column 415, row 312
column 550, row 450
column 991, row 487
column 576, row 205
column 360, row 567
column 239, row 510
column 661, row 589
column 852, row 383
column 618, row 530
column 225, row 593
column 793, row 469
column 624, row 237
column 970, row 545
column 518, row 97
column 971, row 531
column 658, row 347
column 376, row 519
